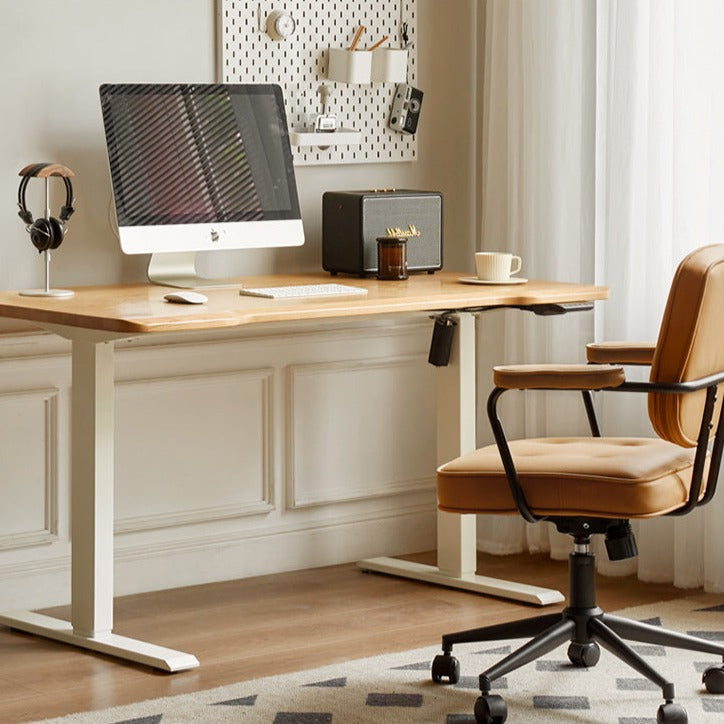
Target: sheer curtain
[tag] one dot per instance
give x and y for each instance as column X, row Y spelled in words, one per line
column 603, row 159
column 537, row 125
column 659, row 192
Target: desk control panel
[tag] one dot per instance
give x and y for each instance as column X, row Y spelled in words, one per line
column 548, row 310
column 444, row 327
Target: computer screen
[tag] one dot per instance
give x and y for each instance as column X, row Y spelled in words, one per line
column 200, row 166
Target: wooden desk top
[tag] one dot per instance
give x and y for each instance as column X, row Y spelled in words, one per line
column 140, row 309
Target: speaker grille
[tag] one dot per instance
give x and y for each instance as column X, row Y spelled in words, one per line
column 422, row 213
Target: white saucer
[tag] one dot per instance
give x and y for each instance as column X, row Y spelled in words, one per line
column 475, row 280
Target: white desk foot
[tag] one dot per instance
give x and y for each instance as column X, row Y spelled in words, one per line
column 112, row 644
column 477, row 584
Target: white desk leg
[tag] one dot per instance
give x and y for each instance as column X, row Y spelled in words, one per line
column 92, row 524
column 456, row 534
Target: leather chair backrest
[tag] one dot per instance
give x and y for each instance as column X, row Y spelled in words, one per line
column 690, row 344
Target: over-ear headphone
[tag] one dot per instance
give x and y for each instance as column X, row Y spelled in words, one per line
column 46, row 233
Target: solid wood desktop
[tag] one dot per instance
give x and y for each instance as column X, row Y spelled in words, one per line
column 140, row 309
column 97, row 316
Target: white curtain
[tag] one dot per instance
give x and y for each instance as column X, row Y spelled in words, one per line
column 659, row 193
column 603, row 159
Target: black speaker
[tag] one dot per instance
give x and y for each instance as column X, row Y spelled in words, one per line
column 352, row 221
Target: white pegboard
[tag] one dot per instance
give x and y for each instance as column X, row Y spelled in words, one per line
column 299, row 65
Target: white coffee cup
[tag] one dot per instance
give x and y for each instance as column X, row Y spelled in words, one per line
column 496, row 266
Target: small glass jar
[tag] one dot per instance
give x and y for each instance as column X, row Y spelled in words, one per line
column 391, row 257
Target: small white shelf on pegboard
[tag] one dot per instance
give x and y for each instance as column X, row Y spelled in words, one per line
column 340, row 137
column 299, row 64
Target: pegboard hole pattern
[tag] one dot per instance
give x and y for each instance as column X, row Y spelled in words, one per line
column 299, row 65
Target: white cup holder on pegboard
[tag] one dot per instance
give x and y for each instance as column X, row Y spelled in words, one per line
column 389, row 65
column 384, row 65
column 350, row 66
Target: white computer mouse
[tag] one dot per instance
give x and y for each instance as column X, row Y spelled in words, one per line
column 184, row 297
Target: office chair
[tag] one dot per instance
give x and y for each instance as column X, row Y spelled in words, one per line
column 595, row 485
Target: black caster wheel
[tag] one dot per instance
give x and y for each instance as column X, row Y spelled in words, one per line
column 584, row 655
column 713, row 679
column 671, row 713
column 445, row 665
column 490, row 709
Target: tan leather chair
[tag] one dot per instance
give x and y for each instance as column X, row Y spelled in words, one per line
column 595, row 485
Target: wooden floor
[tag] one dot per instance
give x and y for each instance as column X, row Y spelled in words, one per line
column 269, row 625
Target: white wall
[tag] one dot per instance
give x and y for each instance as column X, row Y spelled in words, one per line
column 276, row 498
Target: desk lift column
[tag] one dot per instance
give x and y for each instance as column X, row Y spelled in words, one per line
column 92, row 519
column 456, row 534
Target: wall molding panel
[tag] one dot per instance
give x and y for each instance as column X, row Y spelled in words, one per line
column 341, row 449
column 29, row 421
column 223, row 454
column 193, row 449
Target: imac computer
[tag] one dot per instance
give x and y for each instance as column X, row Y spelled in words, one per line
column 196, row 167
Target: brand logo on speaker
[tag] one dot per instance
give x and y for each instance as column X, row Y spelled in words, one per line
column 407, row 233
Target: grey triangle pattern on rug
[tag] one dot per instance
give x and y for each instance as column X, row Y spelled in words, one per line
column 471, row 682
column 648, row 650
column 567, row 666
column 701, row 666
column 243, row 701
column 712, row 609
column 636, row 685
column 419, row 666
column 708, row 635
column 396, row 688
column 561, row 702
column 499, row 650
column 331, row 683
column 394, row 700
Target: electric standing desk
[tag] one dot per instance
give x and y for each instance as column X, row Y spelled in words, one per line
column 97, row 316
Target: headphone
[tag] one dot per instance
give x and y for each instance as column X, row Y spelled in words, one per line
column 46, row 233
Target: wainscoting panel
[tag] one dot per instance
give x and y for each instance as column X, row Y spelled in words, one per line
column 193, row 449
column 238, row 453
column 29, row 459
column 356, row 430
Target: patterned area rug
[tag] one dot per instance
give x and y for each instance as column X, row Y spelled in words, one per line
column 397, row 688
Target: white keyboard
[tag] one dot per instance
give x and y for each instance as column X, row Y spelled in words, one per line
column 303, row 290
